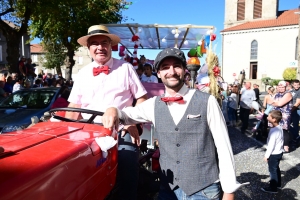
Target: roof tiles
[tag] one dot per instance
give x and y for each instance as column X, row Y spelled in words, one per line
column 36, row 48
column 286, row 18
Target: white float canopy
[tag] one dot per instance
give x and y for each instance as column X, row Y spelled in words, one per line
column 157, row 36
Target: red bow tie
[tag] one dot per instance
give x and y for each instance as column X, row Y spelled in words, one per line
column 178, row 99
column 98, row 70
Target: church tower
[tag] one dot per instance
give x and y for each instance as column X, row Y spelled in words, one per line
column 242, row 11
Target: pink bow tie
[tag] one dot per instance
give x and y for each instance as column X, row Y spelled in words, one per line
column 178, row 99
column 98, row 70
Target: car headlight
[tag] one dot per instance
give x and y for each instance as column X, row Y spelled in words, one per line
column 7, row 129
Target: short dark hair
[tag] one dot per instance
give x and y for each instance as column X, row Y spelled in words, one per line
column 296, row 81
column 277, row 115
column 147, row 65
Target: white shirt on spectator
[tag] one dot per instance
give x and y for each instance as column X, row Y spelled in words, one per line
column 274, row 141
column 149, row 79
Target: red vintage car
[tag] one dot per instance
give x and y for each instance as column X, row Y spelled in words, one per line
column 57, row 160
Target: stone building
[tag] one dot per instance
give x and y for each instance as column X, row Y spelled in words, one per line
column 259, row 39
column 24, row 47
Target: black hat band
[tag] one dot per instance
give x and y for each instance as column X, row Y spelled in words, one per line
column 97, row 31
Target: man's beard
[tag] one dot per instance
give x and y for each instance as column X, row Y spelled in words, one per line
column 178, row 84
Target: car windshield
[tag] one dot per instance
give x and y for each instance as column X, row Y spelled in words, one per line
column 28, row 99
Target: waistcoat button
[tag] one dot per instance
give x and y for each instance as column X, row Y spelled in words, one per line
column 176, row 129
column 178, row 145
column 178, row 162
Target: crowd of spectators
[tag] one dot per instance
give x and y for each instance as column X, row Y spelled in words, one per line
column 284, row 97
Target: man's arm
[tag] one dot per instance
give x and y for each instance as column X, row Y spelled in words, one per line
column 73, row 115
column 219, row 132
column 132, row 129
column 228, row 196
column 141, row 99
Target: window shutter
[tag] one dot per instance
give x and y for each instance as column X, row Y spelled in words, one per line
column 257, row 11
column 241, row 10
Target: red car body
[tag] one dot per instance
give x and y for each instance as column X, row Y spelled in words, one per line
column 56, row 160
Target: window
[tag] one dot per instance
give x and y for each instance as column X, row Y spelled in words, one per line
column 254, row 50
column 296, row 50
column 257, row 11
column 1, row 53
column 240, row 10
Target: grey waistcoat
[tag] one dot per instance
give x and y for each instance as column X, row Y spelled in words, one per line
column 188, row 156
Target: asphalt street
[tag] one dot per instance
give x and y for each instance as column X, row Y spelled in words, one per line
column 250, row 167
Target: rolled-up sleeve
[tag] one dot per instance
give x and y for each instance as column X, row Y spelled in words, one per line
column 143, row 112
column 219, row 132
column 136, row 87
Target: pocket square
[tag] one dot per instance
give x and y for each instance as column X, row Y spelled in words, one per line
column 193, row 116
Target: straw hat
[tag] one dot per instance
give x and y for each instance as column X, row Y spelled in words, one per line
column 99, row 30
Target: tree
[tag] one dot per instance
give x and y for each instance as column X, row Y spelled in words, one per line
column 63, row 22
column 290, row 73
column 14, row 18
column 55, row 55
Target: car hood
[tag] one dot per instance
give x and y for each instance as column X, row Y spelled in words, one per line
column 18, row 116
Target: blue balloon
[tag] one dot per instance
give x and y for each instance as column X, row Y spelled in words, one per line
column 207, row 41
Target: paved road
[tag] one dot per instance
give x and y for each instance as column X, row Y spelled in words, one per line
column 250, row 167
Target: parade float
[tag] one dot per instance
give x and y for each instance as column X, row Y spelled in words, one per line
column 68, row 159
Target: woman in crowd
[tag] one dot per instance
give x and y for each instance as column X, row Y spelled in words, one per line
column 283, row 102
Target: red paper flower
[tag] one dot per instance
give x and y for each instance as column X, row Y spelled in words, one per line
column 216, row 71
column 213, row 37
column 135, row 38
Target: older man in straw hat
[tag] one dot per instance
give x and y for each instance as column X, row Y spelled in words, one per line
column 110, row 82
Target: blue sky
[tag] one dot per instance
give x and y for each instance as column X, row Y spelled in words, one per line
column 197, row 12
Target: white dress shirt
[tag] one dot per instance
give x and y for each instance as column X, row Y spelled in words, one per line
column 144, row 112
column 274, row 141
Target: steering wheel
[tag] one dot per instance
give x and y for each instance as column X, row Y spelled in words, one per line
column 69, row 109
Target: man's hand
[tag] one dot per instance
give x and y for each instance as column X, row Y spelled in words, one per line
column 265, row 159
column 110, row 119
column 134, row 133
column 228, row 196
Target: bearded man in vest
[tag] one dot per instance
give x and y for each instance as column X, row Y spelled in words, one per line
column 195, row 152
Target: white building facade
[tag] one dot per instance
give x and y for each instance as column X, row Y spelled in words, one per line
column 259, row 39
column 260, row 52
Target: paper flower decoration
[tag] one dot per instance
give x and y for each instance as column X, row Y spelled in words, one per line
column 213, row 37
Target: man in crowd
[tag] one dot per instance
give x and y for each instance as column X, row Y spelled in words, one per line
column 195, row 150
column 110, row 82
column 294, row 128
column 247, row 96
column 22, row 68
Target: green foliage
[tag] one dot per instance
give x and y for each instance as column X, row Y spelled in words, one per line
column 64, row 22
column 55, row 54
column 266, row 80
column 274, row 82
column 290, row 73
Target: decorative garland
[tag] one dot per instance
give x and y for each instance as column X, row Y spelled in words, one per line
column 135, row 38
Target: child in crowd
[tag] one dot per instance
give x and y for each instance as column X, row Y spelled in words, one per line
column 274, row 151
column 140, row 71
column 148, row 74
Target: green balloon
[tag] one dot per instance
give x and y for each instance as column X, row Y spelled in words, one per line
column 193, row 52
column 199, row 53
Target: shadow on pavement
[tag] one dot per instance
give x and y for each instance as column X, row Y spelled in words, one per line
column 253, row 191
